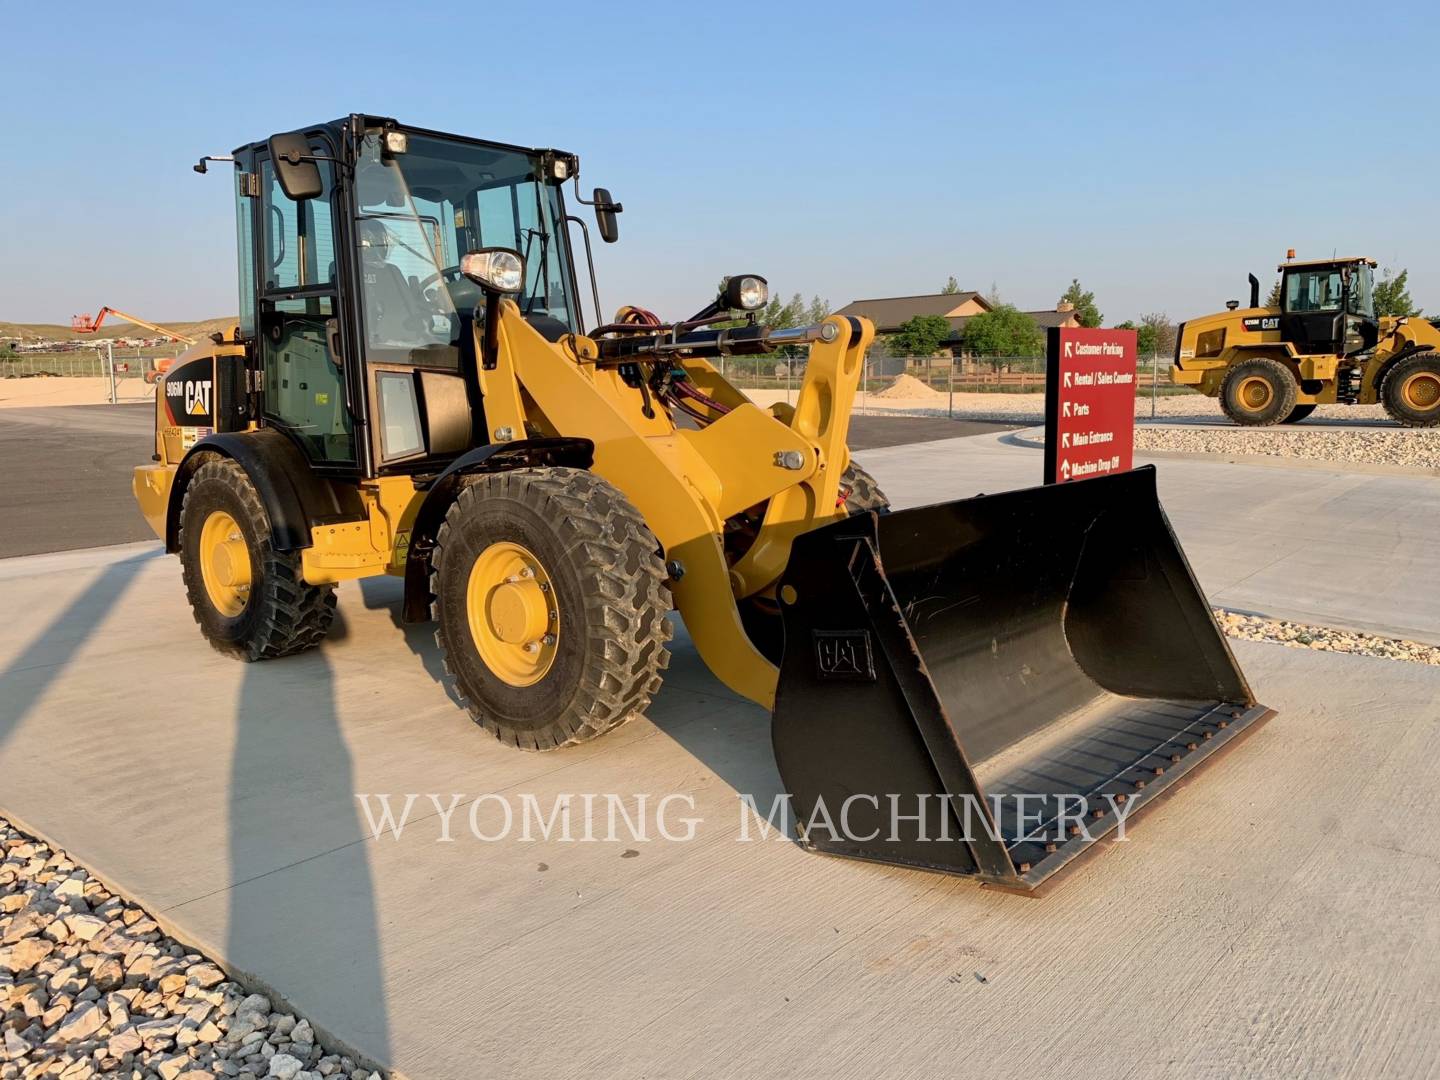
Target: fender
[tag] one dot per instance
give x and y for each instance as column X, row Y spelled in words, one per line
column 293, row 496
column 442, row 490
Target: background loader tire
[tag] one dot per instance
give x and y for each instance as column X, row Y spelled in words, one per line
column 760, row 615
column 1300, row 412
column 1258, row 392
column 1411, row 390
column 599, row 564
column 278, row 613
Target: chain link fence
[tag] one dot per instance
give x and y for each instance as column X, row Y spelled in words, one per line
column 114, row 366
column 1001, row 388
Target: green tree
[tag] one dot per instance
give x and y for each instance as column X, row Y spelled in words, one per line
column 951, row 287
column 1005, row 330
column 1084, row 304
column 1392, row 294
column 1273, row 300
column 818, row 311
column 920, row 336
column 1155, row 335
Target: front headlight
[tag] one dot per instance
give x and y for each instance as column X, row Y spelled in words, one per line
column 746, row 292
column 500, row 269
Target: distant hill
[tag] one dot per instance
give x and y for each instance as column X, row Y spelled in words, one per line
column 111, row 328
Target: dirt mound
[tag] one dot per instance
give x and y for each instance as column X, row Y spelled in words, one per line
column 909, row 387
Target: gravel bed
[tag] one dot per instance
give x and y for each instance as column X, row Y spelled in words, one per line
column 1415, row 447
column 91, row 987
column 1325, row 638
column 1030, row 408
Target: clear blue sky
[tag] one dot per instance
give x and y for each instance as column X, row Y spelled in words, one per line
column 1159, row 152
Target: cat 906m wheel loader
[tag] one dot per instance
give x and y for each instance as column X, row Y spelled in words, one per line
column 411, row 391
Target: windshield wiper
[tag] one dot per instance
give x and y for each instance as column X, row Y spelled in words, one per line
column 544, row 274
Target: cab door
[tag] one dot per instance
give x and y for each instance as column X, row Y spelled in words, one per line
column 298, row 312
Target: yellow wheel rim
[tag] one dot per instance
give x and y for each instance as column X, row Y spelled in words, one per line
column 1421, row 391
column 1256, row 393
column 225, row 563
column 510, row 605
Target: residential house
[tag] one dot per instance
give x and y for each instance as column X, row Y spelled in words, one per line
column 890, row 313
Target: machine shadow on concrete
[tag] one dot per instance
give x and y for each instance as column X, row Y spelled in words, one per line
column 287, row 733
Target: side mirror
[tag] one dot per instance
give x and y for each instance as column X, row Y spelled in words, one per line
column 295, row 168
column 605, row 212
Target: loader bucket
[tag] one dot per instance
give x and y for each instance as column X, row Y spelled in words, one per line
column 991, row 686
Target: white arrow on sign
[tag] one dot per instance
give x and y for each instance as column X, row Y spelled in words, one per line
column 1064, row 470
column 1067, row 349
column 1065, row 440
column 1065, row 408
column 1067, row 380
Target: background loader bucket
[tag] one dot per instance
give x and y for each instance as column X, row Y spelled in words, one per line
column 988, row 686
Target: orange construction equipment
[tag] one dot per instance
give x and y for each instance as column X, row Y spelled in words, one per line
column 83, row 324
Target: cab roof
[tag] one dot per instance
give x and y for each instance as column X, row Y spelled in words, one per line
column 1327, row 262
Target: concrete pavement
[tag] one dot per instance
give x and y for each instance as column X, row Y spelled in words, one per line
column 1278, row 918
column 1288, row 539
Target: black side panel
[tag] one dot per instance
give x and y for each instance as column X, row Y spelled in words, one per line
column 293, row 495
column 496, row 457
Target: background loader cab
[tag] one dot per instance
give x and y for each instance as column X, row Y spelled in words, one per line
column 1323, row 345
column 1328, row 307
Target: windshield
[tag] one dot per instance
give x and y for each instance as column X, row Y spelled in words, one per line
column 419, row 212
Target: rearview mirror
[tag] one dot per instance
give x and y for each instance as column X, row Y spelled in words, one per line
column 605, row 212
column 295, row 168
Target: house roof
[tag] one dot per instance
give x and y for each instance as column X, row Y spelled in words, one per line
column 889, row 313
column 1051, row 318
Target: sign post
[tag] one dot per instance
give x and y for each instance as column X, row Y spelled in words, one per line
column 1089, row 403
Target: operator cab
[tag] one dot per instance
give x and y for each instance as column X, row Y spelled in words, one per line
column 1328, row 306
column 358, row 320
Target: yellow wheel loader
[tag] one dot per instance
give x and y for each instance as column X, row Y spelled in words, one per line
column 412, row 390
column 1322, row 346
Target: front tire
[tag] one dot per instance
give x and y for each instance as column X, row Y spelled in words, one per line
column 251, row 601
column 1259, row 392
column 1411, row 391
column 760, row 615
column 549, row 594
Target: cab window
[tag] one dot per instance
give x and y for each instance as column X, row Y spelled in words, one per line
column 1313, row 290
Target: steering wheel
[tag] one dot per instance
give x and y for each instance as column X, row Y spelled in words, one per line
column 434, row 279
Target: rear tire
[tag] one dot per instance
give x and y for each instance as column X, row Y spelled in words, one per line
column 1259, row 392
column 250, row 600
column 583, row 553
column 1300, row 412
column 1411, row 391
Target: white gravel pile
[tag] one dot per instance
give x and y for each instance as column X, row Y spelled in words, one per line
column 1416, row 447
column 91, row 987
column 1325, row 638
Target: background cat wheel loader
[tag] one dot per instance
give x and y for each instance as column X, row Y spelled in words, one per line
column 412, row 390
column 1322, row 346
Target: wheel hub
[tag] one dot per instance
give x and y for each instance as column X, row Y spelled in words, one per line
column 510, row 604
column 1255, row 393
column 1422, row 391
column 225, row 563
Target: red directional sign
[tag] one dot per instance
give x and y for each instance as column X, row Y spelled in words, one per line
column 1089, row 403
